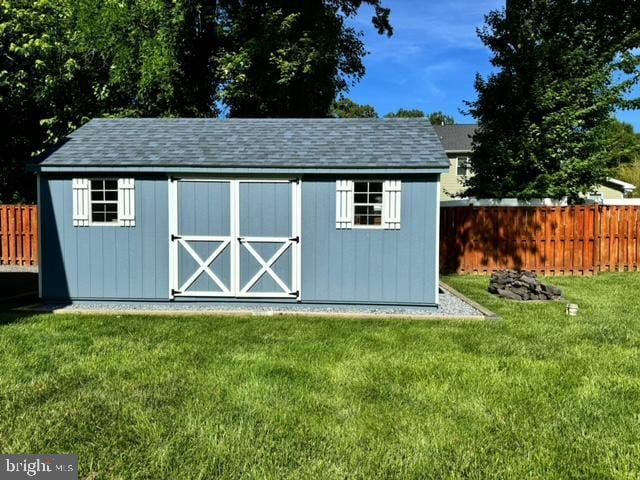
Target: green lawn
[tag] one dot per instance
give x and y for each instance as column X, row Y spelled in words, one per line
column 534, row 395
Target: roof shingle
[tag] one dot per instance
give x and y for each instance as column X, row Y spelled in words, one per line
column 456, row 137
column 317, row 143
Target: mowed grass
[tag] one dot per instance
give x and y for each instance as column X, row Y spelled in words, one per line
column 536, row 394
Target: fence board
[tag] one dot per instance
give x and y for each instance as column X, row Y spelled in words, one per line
column 19, row 235
column 577, row 240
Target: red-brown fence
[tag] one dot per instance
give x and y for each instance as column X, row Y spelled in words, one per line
column 19, row 235
column 578, row 240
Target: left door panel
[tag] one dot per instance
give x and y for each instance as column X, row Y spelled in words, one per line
column 203, row 240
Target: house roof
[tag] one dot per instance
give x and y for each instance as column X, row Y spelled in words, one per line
column 456, row 137
column 244, row 143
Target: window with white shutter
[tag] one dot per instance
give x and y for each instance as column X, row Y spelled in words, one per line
column 368, row 204
column 80, row 188
column 104, row 201
column 344, row 204
column 391, row 205
column 126, row 202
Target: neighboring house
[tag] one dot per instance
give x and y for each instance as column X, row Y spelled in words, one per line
column 456, row 140
column 324, row 211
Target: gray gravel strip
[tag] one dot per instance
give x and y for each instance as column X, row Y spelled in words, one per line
column 451, row 306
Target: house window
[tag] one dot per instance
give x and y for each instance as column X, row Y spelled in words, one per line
column 463, row 166
column 367, row 203
column 104, row 201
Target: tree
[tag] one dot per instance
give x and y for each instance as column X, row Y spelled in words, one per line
column 65, row 61
column 347, row 108
column 404, row 113
column 543, row 117
column 291, row 59
column 622, row 144
column 439, row 118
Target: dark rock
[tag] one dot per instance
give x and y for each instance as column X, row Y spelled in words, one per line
column 532, row 282
column 521, row 285
column 555, row 291
column 509, row 294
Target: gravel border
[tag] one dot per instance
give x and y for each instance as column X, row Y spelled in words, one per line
column 451, row 306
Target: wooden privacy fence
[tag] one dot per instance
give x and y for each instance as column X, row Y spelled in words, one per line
column 18, row 235
column 577, row 240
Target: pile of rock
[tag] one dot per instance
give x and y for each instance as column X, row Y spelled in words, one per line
column 521, row 285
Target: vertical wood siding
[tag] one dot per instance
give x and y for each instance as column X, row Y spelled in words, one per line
column 356, row 265
column 104, row 261
column 19, row 235
column 369, row 265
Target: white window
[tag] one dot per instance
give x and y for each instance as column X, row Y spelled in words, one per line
column 463, row 166
column 368, row 204
column 104, row 201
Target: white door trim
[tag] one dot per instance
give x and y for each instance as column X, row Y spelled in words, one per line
column 235, row 242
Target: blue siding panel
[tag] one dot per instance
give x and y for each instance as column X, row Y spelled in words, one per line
column 357, row 265
column 105, row 262
column 370, row 265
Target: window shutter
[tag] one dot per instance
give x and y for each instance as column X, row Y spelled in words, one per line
column 391, row 207
column 126, row 202
column 80, row 202
column 344, row 204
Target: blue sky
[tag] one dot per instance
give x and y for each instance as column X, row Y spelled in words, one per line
column 431, row 60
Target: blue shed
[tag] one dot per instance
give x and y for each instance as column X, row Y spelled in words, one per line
column 326, row 211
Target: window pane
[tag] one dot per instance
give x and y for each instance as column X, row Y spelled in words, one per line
column 463, row 166
column 360, row 186
column 111, row 184
column 97, row 184
column 375, row 198
column 97, row 216
column 360, row 198
column 111, row 217
column 97, row 195
column 361, row 209
column 111, row 195
column 375, row 186
column 360, row 220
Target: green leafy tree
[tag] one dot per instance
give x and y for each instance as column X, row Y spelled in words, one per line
column 439, row 118
column 291, row 59
column 563, row 67
column 405, row 113
column 622, row 144
column 347, row 108
column 65, row 61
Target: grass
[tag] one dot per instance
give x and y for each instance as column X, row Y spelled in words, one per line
column 534, row 395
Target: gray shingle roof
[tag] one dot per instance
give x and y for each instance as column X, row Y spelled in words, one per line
column 456, row 137
column 315, row 143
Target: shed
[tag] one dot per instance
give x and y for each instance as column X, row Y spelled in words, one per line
column 325, row 211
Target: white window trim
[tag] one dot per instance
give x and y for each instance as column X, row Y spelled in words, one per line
column 391, row 205
column 353, row 216
column 116, row 222
column 468, row 158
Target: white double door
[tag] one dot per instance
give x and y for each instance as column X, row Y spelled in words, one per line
column 235, row 238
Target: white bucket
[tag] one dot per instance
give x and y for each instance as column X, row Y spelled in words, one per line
column 572, row 309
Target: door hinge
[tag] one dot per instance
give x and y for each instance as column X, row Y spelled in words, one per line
column 295, row 239
column 175, row 237
column 295, row 294
column 175, row 292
